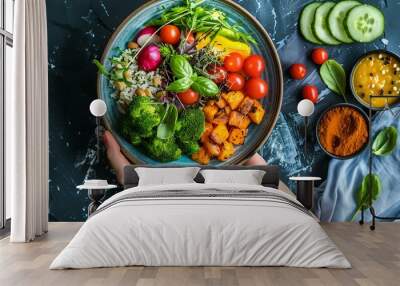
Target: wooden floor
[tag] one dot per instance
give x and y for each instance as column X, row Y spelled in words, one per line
column 375, row 257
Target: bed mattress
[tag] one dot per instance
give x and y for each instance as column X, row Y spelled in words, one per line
column 201, row 225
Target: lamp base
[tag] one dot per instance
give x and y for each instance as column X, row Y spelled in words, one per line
column 96, row 197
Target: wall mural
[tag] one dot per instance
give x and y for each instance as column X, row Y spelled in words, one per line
column 80, row 30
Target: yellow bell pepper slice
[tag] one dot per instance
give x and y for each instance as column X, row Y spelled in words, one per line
column 224, row 45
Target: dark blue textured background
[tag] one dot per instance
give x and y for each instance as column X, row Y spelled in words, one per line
column 78, row 32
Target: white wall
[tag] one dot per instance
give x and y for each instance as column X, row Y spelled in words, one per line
column 8, row 85
column 9, row 26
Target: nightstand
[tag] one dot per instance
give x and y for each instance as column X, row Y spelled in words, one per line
column 305, row 190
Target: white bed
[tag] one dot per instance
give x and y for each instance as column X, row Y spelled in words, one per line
column 201, row 224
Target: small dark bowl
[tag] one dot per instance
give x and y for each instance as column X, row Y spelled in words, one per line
column 353, row 72
column 362, row 112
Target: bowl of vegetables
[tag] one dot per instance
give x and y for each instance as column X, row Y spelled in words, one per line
column 190, row 82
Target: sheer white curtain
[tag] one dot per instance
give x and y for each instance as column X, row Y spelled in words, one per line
column 27, row 124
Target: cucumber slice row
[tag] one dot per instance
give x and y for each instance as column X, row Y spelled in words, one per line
column 343, row 22
column 306, row 22
column 337, row 17
column 365, row 23
column 321, row 24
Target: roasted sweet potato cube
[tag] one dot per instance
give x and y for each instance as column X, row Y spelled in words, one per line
column 208, row 128
column 246, row 105
column 221, row 103
column 207, row 131
column 212, row 148
column 210, row 111
column 201, row 156
column 220, row 118
column 237, row 136
column 233, row 98
column 239, row 120
column 227, row 151
column 257, row 112
column 227, row 110
column 219, row 134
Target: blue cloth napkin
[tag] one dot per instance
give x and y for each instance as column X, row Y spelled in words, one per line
column 335, row 198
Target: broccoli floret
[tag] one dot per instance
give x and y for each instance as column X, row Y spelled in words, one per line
column 163, row 150
column 135, row 139
column 189, row 147
column 191, row 125
column 129, row 132
column 144, row 115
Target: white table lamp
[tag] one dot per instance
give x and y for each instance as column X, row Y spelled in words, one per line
column 98, row 109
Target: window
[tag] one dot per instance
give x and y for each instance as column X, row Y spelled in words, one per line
column 6, row 44
column 9, row 15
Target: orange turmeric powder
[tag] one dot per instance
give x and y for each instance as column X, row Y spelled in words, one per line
column 343, row 131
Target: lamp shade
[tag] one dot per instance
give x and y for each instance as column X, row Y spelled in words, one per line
column 305, row 107
column 98, row 108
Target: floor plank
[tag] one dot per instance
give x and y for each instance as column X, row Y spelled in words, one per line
column 375, row 257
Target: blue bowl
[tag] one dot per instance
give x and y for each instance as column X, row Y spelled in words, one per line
column 257, row 135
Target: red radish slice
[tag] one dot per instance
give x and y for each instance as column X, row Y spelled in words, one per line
column 143, row 37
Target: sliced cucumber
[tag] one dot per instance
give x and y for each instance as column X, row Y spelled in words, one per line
column 337, row 17
column 321, row 24
column 365, row 23
column 307, row 20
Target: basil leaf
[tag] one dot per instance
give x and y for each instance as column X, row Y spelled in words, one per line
column 385, row 142
column 365, row 197
column 166, row 129
column 205, row 87
column 180, row 85
column 100, row 67
column 180, row 66
column 334, row 76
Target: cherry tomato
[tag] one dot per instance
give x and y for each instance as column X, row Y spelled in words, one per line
column 233, row 62
column 188, row 97
column 256, row 88
column 254, row 65
column 235, row 81
column 190, row 38
column 170, row 34
column 319, row 56
column 310, row 92
column 298, row 71
column 218, row 73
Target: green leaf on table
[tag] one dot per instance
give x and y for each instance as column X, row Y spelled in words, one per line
column 180, row 85
column 368, row 192
column 334, row 76
column 166, row 129
column 385, row 142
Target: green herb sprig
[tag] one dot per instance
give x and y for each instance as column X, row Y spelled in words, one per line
column 384, row 144
column 194, row 17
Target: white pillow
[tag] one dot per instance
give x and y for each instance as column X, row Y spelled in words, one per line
column 166, row 176
column 248, row 177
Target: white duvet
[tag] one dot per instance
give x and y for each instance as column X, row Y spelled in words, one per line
column 201, row 231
